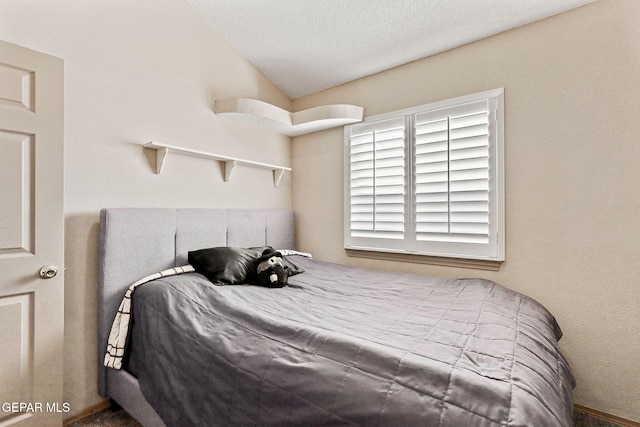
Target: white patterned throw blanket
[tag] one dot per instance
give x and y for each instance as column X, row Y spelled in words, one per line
column 120, row 327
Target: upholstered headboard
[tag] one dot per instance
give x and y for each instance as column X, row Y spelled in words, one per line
column 136, row 242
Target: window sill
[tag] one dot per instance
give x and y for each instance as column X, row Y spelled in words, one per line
column 478, row 264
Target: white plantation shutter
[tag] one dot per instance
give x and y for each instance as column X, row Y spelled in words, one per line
column 376, row 175
column 453, row 167
column 452, row 177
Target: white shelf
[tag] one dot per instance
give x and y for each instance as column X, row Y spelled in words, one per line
column 262, row 114
column 229, row 163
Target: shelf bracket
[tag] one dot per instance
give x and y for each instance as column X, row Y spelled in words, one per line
column 229, row 166
column 161, row 156
column 277, row 176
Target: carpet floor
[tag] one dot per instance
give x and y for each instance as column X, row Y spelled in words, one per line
column 112, row 417
column 117, row 417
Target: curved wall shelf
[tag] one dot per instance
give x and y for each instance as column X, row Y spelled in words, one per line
column 263, row 114
column 229, row 163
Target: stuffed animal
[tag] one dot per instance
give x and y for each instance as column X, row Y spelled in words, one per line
column 271, row 272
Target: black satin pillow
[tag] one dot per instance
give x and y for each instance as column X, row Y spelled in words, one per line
column 227, row 265
column 292, row 269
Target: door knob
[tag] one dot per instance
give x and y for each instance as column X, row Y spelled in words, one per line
column 48, row 271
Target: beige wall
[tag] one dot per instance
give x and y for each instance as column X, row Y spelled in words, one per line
column 135, row 72
column 150, row 69
column 572, row 142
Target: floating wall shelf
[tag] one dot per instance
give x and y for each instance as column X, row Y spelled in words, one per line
column 262, row 114
column 229, row 163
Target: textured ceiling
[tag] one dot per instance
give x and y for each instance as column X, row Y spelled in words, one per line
column 304, row 46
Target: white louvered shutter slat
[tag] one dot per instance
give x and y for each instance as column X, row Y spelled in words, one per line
column 431, row 175
column 362, row 170
column 469, row 172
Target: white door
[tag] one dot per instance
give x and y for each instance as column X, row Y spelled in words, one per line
column 31, row 237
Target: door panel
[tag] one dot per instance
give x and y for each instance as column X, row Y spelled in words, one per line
column 31, row 236
column 16, row 87
column 16, row 192
column 16, row 352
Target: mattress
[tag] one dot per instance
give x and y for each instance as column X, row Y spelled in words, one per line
column 348, row 346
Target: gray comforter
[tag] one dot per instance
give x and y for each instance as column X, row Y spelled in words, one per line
column 348, row 346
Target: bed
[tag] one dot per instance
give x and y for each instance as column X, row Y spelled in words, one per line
column 337, row 346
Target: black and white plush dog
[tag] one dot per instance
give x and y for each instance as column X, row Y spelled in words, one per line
column 272, row 273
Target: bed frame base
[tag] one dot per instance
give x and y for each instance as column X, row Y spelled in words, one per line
column 124, row 390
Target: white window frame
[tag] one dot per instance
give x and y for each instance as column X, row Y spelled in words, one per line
column 493, row 249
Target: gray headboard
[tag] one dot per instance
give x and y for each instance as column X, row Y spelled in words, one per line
column 136, row 242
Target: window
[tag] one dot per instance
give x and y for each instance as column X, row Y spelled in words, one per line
column 428, row 180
